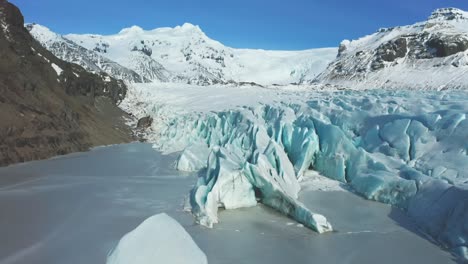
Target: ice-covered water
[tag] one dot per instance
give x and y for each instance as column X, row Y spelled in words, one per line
column 75, row 208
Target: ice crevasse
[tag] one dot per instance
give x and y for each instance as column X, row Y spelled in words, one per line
column 259, row 154
column 245, row 164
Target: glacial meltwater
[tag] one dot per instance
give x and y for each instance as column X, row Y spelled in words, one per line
column 75, row 208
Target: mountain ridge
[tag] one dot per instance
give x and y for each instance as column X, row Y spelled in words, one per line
column 431, row 54
column 185, row 54
column 425, row 55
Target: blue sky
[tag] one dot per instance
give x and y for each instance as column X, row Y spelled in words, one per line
column 266, row 24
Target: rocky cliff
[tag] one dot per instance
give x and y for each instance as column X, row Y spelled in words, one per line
column 50, row 107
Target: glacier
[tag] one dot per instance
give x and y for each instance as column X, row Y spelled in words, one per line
column 403, row 148
column 244, row 164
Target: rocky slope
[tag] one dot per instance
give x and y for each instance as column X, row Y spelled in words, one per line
column 50, row 107
column 428, row 55
column 91, row 60
column 185, row 54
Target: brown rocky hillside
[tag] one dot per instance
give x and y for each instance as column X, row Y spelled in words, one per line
column 50, row 107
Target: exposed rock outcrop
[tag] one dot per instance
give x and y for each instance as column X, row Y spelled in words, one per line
column 144, row 122
column 432, row 54
column 50, row 107
column 444, row 46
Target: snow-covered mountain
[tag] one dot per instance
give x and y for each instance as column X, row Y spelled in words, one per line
column 427, row 55
column 185, row 54
column 89, row 59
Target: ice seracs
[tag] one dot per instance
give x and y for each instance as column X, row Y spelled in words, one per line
column 398, row 147
column 247, row 164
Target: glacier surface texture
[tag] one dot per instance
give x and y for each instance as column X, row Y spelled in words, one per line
column 406, row 149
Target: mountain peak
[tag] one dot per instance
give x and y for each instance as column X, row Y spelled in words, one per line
column 449, row 13
column 131, row 30
column 188, row 27
column 184, row 29
column 41, row 33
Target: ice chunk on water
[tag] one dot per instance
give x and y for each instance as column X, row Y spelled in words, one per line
column 159, row 239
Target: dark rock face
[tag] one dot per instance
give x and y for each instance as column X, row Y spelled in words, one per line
column 144, row 49
column 92, row 85
column 439, row 44
column 101, row 47
column 144, row 122
column 444, row 46
column 377, row 64
column 341, row 49
column 45, row 111
column 392, row 50
column 448, row 13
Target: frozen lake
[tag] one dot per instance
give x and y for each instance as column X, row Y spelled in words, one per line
column 75, row 208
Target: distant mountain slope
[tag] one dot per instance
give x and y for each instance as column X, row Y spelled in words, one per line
column 50, row 107
column 185, row 54
column 427, row 55
column 91, row 60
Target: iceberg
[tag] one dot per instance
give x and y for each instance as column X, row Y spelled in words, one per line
column 159, row 239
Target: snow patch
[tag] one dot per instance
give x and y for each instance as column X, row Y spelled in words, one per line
column 57, row 69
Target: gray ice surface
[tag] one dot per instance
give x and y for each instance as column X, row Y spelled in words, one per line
column 74, row 209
